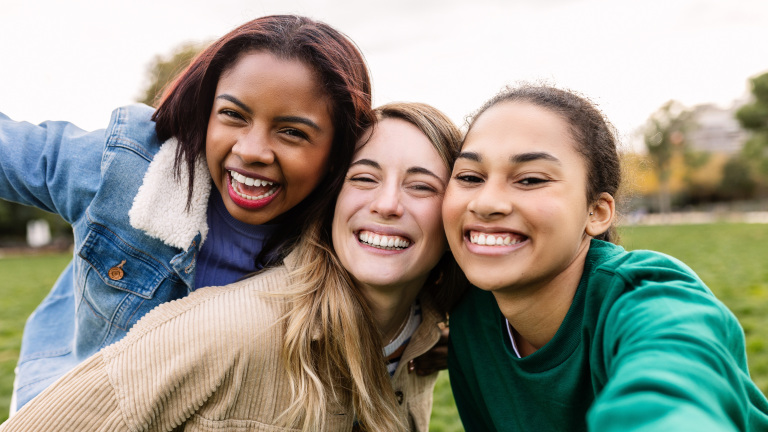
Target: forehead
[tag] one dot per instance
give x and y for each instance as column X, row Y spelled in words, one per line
column 397, row 141
column 263, row 70
column 518, row 127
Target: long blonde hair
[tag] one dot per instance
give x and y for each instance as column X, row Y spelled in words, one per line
column 332, row 350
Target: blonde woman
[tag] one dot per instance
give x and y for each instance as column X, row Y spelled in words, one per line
column 306, row 345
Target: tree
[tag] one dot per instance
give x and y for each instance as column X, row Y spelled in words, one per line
column 737, row 183
column 754, row 118
column 163, row 69
column 664, row 136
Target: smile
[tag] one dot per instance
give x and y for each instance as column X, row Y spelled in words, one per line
column 494, row 239
column 380, row 241
column 250, row 188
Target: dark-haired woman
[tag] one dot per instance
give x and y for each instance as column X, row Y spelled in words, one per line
column 163, row 202
column 567, row 331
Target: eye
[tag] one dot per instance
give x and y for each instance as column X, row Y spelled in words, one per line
column 362, row 180
column 532, row 181
column 421, row 189
column 468, row 178
column 295, row 133
column 231, row 114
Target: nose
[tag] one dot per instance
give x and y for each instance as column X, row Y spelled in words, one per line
column 491, row 201
column 254, row 147
column 386, row 202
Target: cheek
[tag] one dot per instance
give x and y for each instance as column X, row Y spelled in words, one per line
column 307, row 169
column 214, row 162
column 348, row 204
column 432, row 224
column 337, row 228
column 452, row 211
column 216, row 148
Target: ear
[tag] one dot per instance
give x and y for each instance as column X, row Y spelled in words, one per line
column 601, row 215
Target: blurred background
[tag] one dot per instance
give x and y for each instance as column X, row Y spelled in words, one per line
column 685, row 82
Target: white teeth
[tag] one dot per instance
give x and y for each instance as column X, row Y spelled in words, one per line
column 248, row 181
column 493, row 240
column 383, row 241
column 239, row 178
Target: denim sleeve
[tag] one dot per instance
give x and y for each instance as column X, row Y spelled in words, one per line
column 54, row 166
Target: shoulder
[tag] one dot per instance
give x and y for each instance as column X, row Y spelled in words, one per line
column 132, row 127
column 644, row 292
column 247, row 308
column 640, row 269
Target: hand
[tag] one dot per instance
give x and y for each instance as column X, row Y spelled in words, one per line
column 435, row 359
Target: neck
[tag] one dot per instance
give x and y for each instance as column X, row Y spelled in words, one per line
column 536, row 311
column 390, row 306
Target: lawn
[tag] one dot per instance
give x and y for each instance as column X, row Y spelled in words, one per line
column 729, row 258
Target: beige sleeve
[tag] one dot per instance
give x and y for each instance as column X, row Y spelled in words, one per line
column 82, row 400
column 184, row 357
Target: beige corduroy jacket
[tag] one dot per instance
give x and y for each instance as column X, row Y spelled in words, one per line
column 210, row 362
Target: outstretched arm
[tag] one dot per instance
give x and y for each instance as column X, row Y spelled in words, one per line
column 675, row 360
column 54, row 166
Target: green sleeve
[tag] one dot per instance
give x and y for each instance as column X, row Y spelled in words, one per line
column 674, row 361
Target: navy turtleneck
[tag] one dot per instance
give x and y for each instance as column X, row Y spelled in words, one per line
column 230, row 248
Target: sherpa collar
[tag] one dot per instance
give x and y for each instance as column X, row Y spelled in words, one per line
column 160, row 206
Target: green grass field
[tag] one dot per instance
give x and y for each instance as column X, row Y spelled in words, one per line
column 729, row 258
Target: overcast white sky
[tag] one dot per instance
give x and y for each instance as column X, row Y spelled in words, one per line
column 77, row 60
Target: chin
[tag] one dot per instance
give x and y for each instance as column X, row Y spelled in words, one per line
column 382, row 278
column 483, row 279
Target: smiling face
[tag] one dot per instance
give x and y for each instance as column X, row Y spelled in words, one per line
column 387, row 229
column 515, row 209
column 269, row 136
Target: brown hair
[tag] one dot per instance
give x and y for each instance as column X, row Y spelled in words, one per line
column 346, row 362
column 594, row 135
column 340, row 67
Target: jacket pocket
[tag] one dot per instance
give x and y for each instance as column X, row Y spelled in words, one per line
column 119, row 285
column 120, row 265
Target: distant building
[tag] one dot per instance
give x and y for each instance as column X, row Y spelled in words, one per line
column 716, row 130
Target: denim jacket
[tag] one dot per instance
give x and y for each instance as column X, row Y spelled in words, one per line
column 135, row 239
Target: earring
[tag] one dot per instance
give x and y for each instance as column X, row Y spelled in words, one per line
column 590, row 213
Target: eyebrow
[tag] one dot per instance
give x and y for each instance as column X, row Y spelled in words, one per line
column 235, row 101
column 532, row 156
column 367, row 162
column 421, row 170
column 516, row 159
column 412, row 170
column 297, row 119
column 288, row 119
column 474, row 157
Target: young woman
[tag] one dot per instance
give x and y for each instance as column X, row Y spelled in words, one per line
column 567, row 331
column 244, row 143
column 320, row 343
